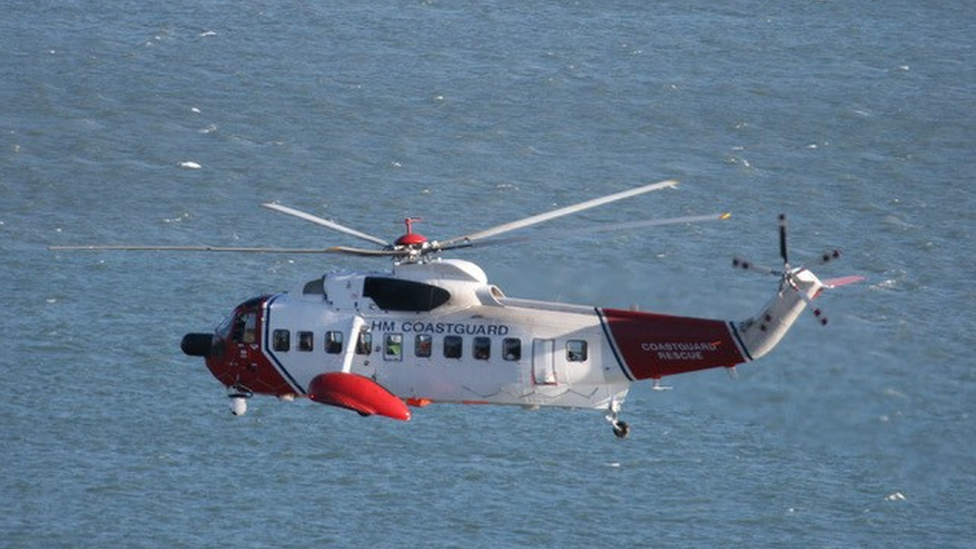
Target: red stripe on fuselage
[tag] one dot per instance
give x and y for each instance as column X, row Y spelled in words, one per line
column 653, row 345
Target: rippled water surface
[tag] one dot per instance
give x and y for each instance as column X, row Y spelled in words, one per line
column 169, row 123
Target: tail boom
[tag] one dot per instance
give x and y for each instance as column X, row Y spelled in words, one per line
column 650, row 345
column 761, row 333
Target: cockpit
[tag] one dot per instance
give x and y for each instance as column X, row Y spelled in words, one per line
column 244, row 327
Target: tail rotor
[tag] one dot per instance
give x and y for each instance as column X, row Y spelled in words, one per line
column 790, row 276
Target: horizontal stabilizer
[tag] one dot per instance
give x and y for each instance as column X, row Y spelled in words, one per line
column 842, row 281
column 357, row 393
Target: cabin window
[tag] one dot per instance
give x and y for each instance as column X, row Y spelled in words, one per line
column 393, row 347
column 281, row 340
column 364, row 345
column 422, row 345
column 333, row 342
column 452, row 346
column 482, row 348
column 306, row 341
column 512, row 348
column 576, row 350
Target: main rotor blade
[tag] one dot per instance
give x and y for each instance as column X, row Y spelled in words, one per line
column 236, row 249
column 325, row 223
column 369, row 253
column 627, row 225
column 653, row 223
column 233, row 249
column 528, row 221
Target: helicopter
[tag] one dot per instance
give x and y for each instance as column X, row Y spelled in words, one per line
column 433, row 329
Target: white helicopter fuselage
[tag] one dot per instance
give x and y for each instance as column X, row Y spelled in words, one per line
column 438, row 331
column 478, row 346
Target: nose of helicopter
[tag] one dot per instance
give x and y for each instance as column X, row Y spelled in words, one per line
column 196, row 344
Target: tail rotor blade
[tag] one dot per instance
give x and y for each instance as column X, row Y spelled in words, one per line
column 747, row 265
column 782, row 240
column 827, row 257
column 816, row 311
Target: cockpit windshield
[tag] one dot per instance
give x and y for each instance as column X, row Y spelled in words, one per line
column 224, row 327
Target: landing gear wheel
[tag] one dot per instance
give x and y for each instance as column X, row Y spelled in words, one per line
column 621, row 430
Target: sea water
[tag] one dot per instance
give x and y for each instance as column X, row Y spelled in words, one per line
column 170, row 122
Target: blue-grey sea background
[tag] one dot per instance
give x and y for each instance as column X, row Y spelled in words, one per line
column 170, row 122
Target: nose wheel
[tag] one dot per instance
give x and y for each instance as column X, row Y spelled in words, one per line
column 621, row 429
column 238, row 399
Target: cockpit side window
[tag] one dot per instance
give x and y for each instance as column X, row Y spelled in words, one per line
column 245, row 328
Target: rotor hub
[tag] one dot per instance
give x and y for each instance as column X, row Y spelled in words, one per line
column 411, row 238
